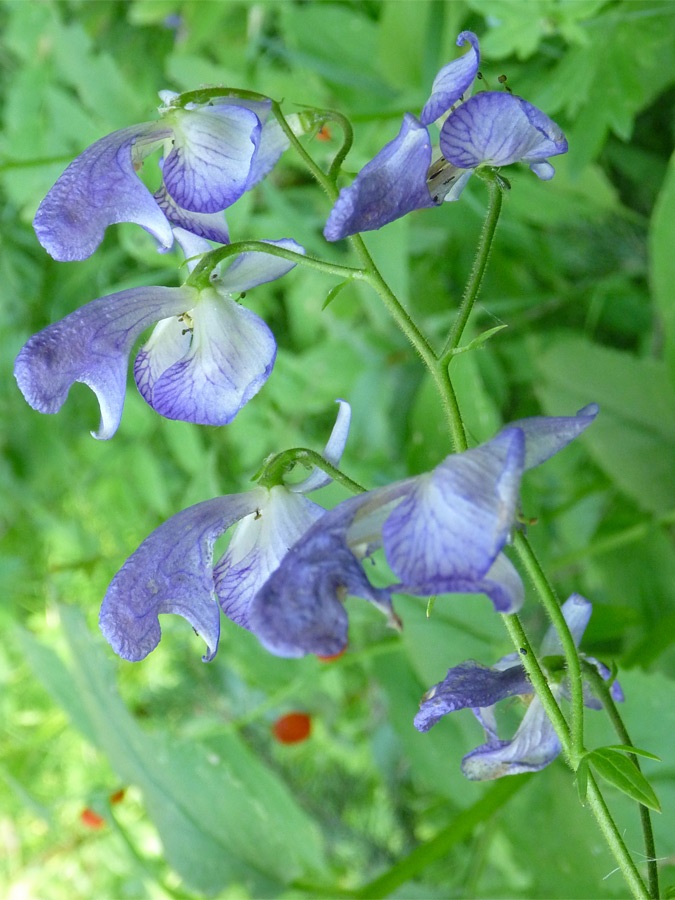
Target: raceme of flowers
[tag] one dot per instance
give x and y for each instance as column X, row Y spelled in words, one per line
column 477, row 687
column 442, row 532
column 489, row 129
column 213, row 153
column 206, row 358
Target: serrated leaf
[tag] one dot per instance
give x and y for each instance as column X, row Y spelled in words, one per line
column 616, row 769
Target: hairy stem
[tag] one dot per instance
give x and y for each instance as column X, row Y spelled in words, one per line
column 477, row 272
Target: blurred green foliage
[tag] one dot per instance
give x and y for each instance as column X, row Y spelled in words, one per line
column 582, row 274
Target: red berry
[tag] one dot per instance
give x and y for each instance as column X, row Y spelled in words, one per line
column 292, row 728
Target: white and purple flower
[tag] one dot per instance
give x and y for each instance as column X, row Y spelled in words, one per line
column 490, row 129
column 212, row 154
column 207, row 356
column 173, row 569
column 479, row 688
column 442, row 532
column 290, row 565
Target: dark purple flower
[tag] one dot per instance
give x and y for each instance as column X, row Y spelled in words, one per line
column 205, row 359
column 212, row 154
column 442, row 532
column 473, row 686
column 492, row 128
column 173, row 569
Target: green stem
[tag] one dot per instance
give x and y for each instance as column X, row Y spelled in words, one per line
column 602, row 690
column 552, row 607
column 274, row 468
column 539, row 682
column 616, row 843
column 478, row 271
column 438, row 372
column 200, row 276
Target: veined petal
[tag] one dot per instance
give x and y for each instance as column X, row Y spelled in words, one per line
column 502, row 584
column 469, row 685
column 206, row 225
column 452, row 525
column 209, row 165
column 230, row 358
column 299, row 610
column 333, row 451
column 534, row 746
column 273, row 142
column 169, row 342
column 546, row 435
column 392, row 184
column 250, row 269
column 92, row 345
column 101, row 188
column 171, row 572
column 258, row 544
column 453, row 80
column 497, row 129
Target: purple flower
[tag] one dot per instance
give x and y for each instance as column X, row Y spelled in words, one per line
column 205, row 359
column 442, row 532
column 212, row 154
column 173, row 569
column 492, row 128
column 476, row 687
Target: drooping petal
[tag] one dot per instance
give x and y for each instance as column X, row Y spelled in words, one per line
column 210, row 162
column 498, row 129
column 392, row 184
column 192, row 245
column 546, row 435
column 230, row 357
column 171, row 572
column 101, row 188
column 273, row 142
column 258, row 544
column 454, row 522
column 453, row 80
column 92, row 345
column 469, row 685
column 576, row 611
column 206, row 225
column 333, row 451
column 299, row 610
column 250, row 269
column 534, row 746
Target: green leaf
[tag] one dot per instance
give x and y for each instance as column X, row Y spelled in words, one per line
column 633, row 437
column 613, row 766
column 333, row 292
column 662, row 260
column 627, row 748
column 222, row 817
column 479, row 340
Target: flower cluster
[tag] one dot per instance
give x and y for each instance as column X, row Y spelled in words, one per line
column 290, row 566
column 476, row 687
column 489, row 129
